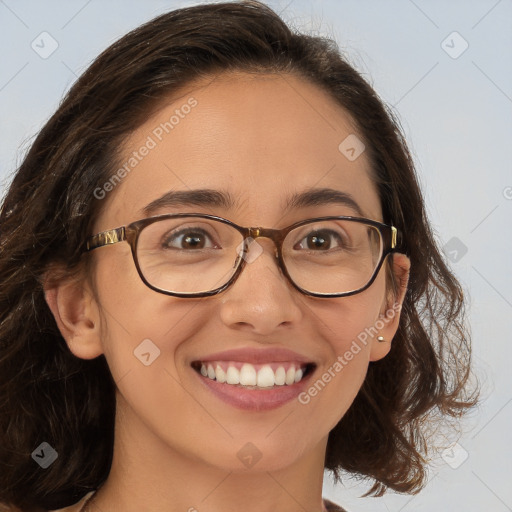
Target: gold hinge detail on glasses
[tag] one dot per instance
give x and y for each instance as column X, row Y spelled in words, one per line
column 106, row 238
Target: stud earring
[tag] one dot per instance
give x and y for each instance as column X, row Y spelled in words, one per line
column 380, row 339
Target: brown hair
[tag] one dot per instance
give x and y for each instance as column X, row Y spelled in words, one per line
column 48, row 394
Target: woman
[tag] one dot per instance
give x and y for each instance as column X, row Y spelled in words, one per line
column 218, row 280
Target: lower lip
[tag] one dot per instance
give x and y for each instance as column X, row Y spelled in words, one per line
column 255, row 399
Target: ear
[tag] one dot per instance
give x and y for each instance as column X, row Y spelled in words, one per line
column 77, row 315
column 389, row 317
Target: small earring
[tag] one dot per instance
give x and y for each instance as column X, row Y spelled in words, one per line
column 380, row 339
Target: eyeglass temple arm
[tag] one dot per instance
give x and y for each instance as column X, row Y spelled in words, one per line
column 112, row 236
column 394, row 237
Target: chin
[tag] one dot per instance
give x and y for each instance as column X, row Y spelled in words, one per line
column 254, row 457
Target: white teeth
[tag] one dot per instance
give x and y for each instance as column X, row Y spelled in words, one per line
column 232, row 375
column 265, row 377
column 280, row 376
column 220, row 375
column 290, row 376
column 248, row 376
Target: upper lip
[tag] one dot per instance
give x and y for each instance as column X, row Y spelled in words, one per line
column 257, row 356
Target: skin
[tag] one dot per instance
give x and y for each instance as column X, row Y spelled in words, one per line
column 262, row 138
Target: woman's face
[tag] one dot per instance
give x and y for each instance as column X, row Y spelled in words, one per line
column 260, row 139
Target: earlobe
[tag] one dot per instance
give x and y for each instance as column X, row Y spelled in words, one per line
column 77, row 316
column 389, row 319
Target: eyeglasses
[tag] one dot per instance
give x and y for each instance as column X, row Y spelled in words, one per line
column 198, row 255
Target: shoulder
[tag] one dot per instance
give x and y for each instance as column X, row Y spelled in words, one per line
column 332, row 507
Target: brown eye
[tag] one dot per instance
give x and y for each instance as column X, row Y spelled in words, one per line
column 320, row 241
column 189, row 239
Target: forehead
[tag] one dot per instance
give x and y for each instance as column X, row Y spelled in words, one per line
column 262, row 138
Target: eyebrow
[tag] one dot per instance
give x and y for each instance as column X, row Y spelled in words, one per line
column 323, row 196
column 223, row 199
column 198, row 197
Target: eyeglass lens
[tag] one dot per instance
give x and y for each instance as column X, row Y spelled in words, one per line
column 194, row 255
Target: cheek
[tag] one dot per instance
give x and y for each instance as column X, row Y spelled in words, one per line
column 347, row 326
column 139, row 325
column 353, row 320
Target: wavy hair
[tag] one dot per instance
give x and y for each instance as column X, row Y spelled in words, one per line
column 48, row 394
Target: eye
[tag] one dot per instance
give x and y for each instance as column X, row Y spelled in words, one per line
column 189, row 238
column 321, row 240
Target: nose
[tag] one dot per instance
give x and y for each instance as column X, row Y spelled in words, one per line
column 262, row 299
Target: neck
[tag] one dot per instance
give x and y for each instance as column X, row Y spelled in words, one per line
column 149, row 474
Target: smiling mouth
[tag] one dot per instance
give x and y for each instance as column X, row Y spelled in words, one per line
column 254, row 376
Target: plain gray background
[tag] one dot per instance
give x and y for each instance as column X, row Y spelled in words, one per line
column 455, row 106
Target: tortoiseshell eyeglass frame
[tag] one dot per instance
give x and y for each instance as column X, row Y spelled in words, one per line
column 131, row 232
